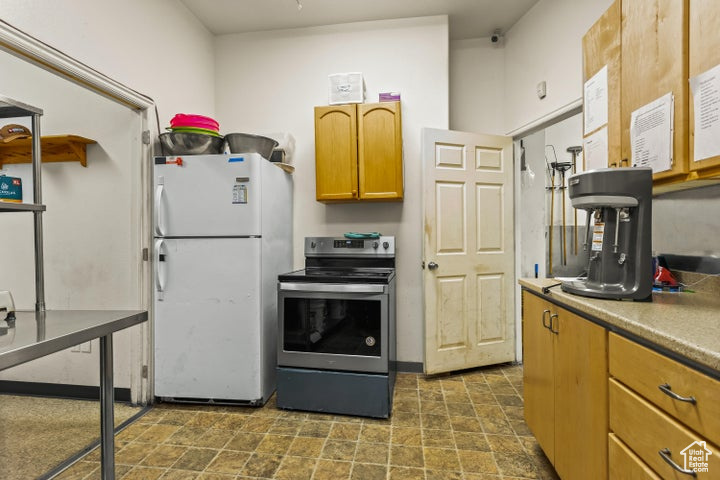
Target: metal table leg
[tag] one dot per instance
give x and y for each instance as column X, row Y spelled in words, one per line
column 107, row 403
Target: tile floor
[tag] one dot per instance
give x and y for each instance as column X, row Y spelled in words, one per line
column 467, row 426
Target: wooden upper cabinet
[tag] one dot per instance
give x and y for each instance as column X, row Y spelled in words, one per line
column 601, row 48
column 704, row 55
column 654, row 63
column 358, row 152
column 336, row 153
column 380, row 151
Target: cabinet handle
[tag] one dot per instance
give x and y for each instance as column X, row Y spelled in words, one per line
column 665, row 454
column 613, row 165
column 625, row 160
column 554, row 315
column 354, row 194
column 546, row 325
column 667, row 390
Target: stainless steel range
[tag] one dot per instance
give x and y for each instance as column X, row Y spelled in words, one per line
column 336, row 337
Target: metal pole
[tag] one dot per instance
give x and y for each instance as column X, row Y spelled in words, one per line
column 107, row 423
column 37, row 215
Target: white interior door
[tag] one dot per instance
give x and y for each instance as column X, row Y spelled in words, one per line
column 468, row 250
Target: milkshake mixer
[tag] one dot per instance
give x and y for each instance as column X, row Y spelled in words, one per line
column 618, row 202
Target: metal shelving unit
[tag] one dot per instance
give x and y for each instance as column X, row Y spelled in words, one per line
column 10, row 108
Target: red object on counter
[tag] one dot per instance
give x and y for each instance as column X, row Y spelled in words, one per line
column 664, row 278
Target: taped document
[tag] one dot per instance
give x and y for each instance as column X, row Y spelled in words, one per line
column 706, row 103
column 595, row 148
column 595, row 101
column 651, row 134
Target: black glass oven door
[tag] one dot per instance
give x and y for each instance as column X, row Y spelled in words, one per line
column 330, row 330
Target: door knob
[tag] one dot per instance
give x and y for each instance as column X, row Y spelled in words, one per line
column 433, row 266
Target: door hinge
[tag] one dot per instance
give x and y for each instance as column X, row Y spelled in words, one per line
column 144, row 373
column 145, row 255
column 146, row 137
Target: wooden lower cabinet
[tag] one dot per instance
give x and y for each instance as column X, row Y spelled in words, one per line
column 650, row 433
column 538, row 373
column 659, row 405
column 624, row 464
column 565, row 388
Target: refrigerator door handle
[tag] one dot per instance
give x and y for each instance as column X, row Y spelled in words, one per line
column 159, row 271
column 159, row 231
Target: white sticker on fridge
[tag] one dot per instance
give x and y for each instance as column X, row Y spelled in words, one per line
column 239, row 194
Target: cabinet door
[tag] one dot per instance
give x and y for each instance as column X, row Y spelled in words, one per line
column 581, row 430
column 704, row 55
column 654, row 63
column 601, row 48
column 336, row 153
column 380, row 151
column 538, row 368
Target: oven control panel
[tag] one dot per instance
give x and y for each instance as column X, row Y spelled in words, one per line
column 383, row 246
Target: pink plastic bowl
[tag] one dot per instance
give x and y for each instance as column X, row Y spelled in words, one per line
column 197, row 121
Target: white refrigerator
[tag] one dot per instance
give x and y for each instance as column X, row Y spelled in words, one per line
column 223, row 233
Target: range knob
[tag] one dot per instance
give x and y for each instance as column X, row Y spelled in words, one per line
column 312, row 244
column 386, row 245
column 376, row 245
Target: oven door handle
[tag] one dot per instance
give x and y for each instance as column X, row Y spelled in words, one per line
column 331, row 287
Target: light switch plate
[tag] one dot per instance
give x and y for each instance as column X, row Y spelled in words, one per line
column 541, row 89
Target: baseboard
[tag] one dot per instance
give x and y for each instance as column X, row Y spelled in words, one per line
column 59, row 390
column 409, row 367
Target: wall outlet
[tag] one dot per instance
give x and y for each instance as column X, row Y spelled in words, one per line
column 541, row 89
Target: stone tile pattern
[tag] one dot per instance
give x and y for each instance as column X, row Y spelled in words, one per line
column 466, row 426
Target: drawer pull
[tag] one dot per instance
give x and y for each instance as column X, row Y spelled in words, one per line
column 665, row 454
column 545, row 312
column 667, row 390
column 555, row 316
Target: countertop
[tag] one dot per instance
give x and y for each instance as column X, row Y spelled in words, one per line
column 684, row 324
column 36, row 334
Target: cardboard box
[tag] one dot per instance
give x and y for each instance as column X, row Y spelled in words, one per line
column 346, row 88
column 10, row 189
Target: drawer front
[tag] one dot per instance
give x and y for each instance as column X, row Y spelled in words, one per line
column 645, row 371
column 625, row 464
column 647, row 431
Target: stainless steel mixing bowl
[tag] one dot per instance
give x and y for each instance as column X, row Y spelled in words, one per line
column 247, row 143
column 186, row 143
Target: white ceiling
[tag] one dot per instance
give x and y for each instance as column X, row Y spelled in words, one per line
column 468, row 18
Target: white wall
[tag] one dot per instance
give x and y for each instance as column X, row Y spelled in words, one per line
column 270, row 82
column 546, row 44
column 477, row 86
column 90, row 234
column 157, row 48
column 687, row 222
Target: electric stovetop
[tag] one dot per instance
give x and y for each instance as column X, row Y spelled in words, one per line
column 340, row 275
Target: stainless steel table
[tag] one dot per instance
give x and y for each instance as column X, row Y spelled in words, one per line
column 36, row 334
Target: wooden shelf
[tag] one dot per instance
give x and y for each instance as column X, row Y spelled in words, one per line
column 54, row 148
